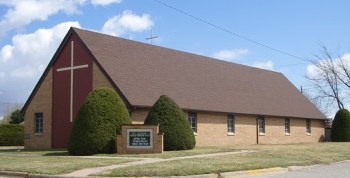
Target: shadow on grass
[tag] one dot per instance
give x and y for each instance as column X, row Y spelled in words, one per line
column 58, row 153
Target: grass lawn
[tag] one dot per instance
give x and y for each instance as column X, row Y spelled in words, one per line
column 59, row 161
column 267, row 156
column 51, row 164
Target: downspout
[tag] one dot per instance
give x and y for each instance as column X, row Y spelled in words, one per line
column 257, row 130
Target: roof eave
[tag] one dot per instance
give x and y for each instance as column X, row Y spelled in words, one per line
column 233, row 113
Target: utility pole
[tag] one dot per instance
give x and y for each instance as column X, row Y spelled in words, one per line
column 151, row 37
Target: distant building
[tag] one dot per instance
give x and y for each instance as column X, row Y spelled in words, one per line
column 225, row 103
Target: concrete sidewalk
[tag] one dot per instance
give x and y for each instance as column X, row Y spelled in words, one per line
column 90, row 171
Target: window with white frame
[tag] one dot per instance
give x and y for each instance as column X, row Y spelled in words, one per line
column 308, row 126
column 38, row 123
column 261, row 124
column 230, row 124
column 192, row 120
column 287, row 125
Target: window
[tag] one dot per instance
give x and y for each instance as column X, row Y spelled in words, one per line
column 192, row 119
column 38, row 123
column 287, row 125
column 308, row 126
column 230, row 124
column 261, row 123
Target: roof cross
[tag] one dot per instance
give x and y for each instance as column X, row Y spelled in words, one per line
column 71, row 68
column 151, row 37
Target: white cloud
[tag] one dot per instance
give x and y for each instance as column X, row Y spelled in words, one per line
column 231, row 54
column 127, row 21
column 24, row 12
column 105, row 2
column 27, row 56
column 313, row 71
column 268, row 65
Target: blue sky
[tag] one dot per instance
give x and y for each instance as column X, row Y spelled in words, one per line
column 32, row 30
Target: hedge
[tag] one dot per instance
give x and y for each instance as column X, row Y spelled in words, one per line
column 341, row 126
column 178, row 134
column 98, row 122
column 11, row 135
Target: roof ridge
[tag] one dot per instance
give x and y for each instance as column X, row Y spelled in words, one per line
column 176, row 50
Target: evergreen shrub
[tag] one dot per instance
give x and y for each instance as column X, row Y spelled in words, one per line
column 97, row 123
column 178, row 134
column 341, row 126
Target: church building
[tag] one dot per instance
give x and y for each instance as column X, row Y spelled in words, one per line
column 226, row 103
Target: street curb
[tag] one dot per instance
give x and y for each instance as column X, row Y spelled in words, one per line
column 296, row 168
column 8, row 173
column 254, row 172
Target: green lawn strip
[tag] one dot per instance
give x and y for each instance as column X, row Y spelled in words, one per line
column 52, row 164
column 171, row 154
column 166, row 154
column 267, row 157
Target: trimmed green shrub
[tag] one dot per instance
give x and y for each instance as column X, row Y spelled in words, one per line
column 11, row 135
column 178, row 134
column 97, row 123
column 341, row 126
column 16, row 117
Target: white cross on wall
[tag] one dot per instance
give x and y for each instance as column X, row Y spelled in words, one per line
column 71, row 68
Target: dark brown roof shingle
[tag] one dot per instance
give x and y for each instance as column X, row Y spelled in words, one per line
column 144, row 72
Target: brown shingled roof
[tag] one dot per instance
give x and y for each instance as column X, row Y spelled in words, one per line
column 143, row 72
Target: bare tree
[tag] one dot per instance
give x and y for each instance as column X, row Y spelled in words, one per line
column 317, row 102
column 330, row 80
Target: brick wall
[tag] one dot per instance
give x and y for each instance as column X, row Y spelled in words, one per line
column 212, row 129
column 98, row 78
column 138, row 116
column 274, row 131
column 41, row 102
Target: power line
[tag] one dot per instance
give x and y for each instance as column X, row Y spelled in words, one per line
column 288, row 65
column 231, row 32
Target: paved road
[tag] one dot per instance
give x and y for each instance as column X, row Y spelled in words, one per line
column 337, row 170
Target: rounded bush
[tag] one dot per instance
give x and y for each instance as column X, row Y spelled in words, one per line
column 341, row 126
column 97, row 123
column 11, row 135
column 178, row 134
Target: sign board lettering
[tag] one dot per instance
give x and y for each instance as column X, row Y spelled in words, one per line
column 139, row 138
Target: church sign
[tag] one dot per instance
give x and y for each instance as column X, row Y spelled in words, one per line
column 137, row 138
column 140, row 138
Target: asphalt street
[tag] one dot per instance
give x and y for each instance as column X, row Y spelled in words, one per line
column 336, row 170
